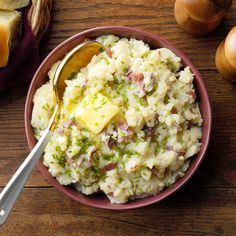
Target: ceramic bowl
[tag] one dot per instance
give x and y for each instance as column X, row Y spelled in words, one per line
column 40, row 77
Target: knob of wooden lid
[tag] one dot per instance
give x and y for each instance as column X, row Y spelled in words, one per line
column 200, row 17
column 226, row 57
column 207, row 10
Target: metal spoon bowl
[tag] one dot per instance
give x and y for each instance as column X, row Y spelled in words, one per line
column 76, row 59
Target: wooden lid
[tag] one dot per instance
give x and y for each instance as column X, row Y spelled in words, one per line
column 207, row 10
column 230, row 47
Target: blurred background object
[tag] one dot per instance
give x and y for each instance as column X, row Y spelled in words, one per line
column 13, row 4
column 200, row 17
column 10, row 31
column 39, row 17
column 22, row 55
column 226, row 56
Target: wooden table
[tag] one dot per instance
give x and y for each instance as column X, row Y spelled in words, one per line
column 206, row 206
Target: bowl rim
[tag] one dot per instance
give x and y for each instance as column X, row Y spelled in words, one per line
column 139, row 202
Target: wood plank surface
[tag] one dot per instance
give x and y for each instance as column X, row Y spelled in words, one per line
column 206, row 206
column 156, row 16
column 188, row 212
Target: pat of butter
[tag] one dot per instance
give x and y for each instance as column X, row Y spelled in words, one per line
column 96, row 111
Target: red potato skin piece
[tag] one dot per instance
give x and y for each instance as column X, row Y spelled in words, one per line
column 123, row 126
column 65, row 125
column 111, row 194
column 174, row 110
column 108, row 167
column 108, row 52
column 136, row 78
column 179, row 153
column 192, row 94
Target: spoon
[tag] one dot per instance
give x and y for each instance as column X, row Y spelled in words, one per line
column 76, row 59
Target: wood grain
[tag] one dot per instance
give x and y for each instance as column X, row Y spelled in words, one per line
column 53, row 214
column 157, row 17
column 206, row 206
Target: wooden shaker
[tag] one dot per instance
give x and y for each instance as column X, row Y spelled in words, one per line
column 226, row 56
column 200, row 17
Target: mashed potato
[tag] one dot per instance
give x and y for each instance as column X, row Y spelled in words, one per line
column 128, row 125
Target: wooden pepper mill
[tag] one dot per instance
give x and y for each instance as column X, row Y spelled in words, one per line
column 200, row 17
column 226, row 56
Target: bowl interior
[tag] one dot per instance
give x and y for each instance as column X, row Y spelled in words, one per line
column 100, row 200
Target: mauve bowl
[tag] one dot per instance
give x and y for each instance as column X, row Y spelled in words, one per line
column 40, row 77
